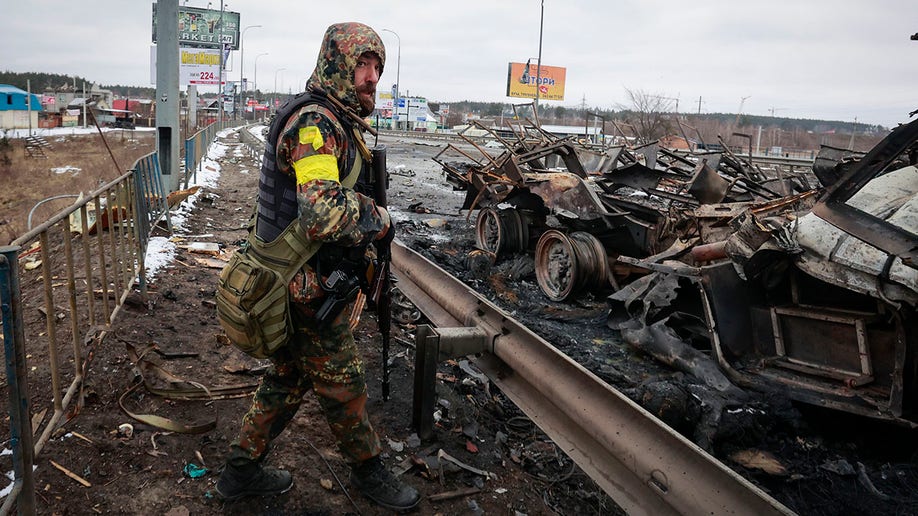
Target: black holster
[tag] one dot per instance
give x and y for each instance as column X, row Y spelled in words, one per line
column 348, row 266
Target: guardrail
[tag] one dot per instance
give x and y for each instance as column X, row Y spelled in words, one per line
column 76, row 286
column 645, row 466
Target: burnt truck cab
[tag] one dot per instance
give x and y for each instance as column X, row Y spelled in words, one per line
column 821, row 303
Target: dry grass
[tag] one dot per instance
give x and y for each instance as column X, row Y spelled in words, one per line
column 26, row 181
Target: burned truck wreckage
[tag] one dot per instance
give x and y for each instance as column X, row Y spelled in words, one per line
column 802, row 280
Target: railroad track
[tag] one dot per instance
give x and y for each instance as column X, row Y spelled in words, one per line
column 645, row 466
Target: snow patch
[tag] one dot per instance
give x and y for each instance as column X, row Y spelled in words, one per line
column 66, row 169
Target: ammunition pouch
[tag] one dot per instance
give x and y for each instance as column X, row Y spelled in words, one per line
column 253, row 304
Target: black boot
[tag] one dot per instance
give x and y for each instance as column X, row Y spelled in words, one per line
column 251, row 479
column 376, row 483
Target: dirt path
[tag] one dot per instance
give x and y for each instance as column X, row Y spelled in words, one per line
column 151, row 471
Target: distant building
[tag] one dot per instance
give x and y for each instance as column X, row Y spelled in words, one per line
column 413, row 114
column 140, row 110
column 18, row 108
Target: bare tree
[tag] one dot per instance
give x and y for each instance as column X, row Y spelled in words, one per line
column 651, row 114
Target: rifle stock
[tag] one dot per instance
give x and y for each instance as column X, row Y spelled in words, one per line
column 380, row 293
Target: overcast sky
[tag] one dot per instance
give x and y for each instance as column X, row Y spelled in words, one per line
column 828, row 59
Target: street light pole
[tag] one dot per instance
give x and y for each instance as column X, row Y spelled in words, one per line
column 275, row 88
column 222, row 64
column 242, row 63
column 398, row 66
column 255, row 81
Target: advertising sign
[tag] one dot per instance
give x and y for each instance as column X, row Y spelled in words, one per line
column 384, row 100
column 202, row 28
column 522, row 82
column 196, row 66
column 199, row 66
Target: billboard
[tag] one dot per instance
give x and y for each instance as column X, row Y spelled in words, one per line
column 384, row 100
column 199, row 66
column 201, row 27
column 196, row 66
column 522, row 83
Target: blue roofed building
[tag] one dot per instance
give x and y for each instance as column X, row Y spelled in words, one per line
column 18, row 109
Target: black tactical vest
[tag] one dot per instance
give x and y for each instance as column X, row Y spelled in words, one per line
column 277, row 206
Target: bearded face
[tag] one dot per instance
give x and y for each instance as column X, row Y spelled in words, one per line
column 366, row 76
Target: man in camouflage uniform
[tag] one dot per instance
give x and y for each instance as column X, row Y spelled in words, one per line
column 313, row 147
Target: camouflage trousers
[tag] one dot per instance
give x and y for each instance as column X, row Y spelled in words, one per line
column 324, row 359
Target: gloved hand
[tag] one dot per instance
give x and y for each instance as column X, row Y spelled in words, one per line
column 388, row 232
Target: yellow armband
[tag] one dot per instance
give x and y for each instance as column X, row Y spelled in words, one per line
column 316, row 166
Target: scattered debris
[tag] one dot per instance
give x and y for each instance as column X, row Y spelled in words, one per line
column 177, row 197
column 396, row 446
column 443, row 456
column 839, row 467
column 210, row 248
column 458, row 493
column 759, row 459
column 192, row 470
column 78, row 478
column 125, row 430
column 742, row 274
column 216, row 262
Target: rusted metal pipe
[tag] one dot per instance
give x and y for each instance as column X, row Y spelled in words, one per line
column 709, row 252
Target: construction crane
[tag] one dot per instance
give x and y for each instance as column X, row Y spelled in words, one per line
column 740, row 110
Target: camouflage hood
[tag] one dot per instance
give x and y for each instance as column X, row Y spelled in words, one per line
column 342, row 45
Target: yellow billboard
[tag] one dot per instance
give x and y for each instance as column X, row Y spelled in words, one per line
column 522, row 81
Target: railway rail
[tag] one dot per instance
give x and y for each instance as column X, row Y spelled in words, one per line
column 645, row 466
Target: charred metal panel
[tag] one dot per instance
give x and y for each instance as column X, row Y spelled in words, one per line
column 832, row 163
column 730, row 298
column 835, row 209
column 566, row 194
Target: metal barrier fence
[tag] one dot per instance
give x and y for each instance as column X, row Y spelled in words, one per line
column 196, row 147
column 73, row 273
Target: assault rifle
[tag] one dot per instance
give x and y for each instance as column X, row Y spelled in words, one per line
column 380, row 292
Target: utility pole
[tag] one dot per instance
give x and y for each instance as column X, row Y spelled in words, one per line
column 539, row 62
column 853, row 131
column 29, row 103
column 167, row 93
column 699, row 104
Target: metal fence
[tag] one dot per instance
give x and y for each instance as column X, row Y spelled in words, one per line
column 196, row 147
column 61, row 286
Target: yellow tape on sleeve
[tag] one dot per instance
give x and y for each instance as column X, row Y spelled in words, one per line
column 316, row 166
column 312, row 136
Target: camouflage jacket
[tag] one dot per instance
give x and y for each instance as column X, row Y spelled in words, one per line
column 314, row 146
